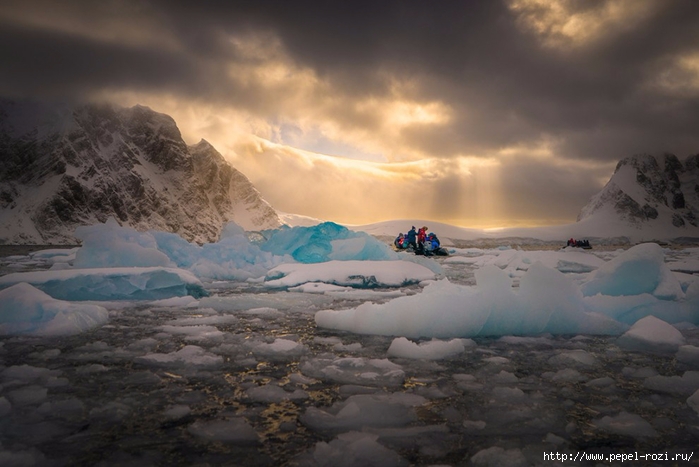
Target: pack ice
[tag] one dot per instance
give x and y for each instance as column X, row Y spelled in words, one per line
column 633, row 285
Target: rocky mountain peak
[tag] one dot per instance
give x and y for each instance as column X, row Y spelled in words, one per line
column 64, row 168
column 650, row 188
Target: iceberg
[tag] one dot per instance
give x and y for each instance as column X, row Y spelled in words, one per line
column 26, row 310
column 548, row 301
column 640, row 269
column 233, row 256
column 110, row 245
column 132, row 283
column 325, row 242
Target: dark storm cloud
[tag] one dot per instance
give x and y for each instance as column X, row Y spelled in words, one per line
column 42, row 63
column 506, row 84
column 477, row 59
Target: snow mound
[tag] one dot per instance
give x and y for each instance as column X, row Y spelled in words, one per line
column 26, row 310
column 124, row 283
column 653, row 335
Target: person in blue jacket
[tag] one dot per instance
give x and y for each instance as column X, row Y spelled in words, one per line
column 411, row 237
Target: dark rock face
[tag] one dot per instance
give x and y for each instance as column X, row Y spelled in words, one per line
column 647, row 188
column 65, row 167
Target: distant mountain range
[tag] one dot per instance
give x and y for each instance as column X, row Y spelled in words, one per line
column 63, row 167
column 650, row 192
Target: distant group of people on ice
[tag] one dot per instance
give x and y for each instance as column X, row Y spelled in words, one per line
column 420, row 241
column 579, row 243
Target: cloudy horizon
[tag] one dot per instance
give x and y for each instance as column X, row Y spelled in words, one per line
column 476, row 113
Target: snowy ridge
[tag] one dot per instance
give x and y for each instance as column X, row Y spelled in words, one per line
column 65, row 167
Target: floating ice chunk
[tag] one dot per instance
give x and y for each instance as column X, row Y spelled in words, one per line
column 350, row 273
column 474, row 425
column 497, row 456
column 26, row 310
column 629, row 309
column 28, row 374
column 440, row 311
column 352, row 449
column 28, row 395
column 265, row 313
column 234, row 431
column 113, row 411
column 177, row 411
column 111, row 283
column 626, row 424
column 431, row 350
column 578, row 358
column 640, row 269
column 651, row 334
column 67, row 408
column 683, row 385
column 364, row 410
column 195, row 333
column 504, row 377
column 271, row 393
column 279, row 349
column 547, row 302
column 355, row 370
column 189, row 355
column 603, row 382
column 693, row 401
column 567, row 375
column 688, row 354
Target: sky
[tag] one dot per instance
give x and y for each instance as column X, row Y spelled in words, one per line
column 477, row 113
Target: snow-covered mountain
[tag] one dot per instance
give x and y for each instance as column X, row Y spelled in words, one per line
column 68, row 166
column 650, row 193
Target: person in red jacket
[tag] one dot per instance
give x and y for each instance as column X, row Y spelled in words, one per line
column 421, row 237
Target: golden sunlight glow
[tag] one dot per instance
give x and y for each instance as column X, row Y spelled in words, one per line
column 561, row 24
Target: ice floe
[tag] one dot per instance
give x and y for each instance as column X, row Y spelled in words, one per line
column 26, row 310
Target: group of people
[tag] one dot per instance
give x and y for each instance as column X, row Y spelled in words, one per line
column 579, row 243
column 421, row 242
